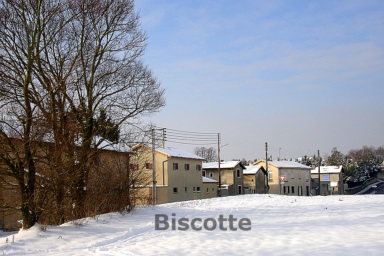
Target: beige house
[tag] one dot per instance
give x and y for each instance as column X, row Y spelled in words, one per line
column 209, row 187
column 331, row 180
column 255, row 180
column 178, row 173
column 231, row 173
column 288, row 177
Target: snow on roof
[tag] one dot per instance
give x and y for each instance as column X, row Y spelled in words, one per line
column 328, row 169
column 208, row 180
column 224, row 165
column 177, row 152
column 253, row 169
column 107, row 145
column 287, row 164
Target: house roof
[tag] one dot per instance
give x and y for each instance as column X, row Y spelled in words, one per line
column 286, row 164
column 208, row 180
column 327, row 169
column 107, row 145
column 253, row 169
column 120, row 147
column 223, row 165
column 177, row 152
column 170, row 152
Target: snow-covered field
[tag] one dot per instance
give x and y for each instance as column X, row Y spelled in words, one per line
column 280, row 225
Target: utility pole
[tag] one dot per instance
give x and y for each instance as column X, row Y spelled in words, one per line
column 318, row 169
column 266, row 166
column 218, row 158
column 163, row 144
column 153, row 169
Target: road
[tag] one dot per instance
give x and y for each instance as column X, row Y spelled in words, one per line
column 377, row 188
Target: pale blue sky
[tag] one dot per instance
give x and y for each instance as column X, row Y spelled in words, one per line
column 300, row 75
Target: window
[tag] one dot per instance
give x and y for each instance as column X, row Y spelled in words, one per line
column 293, row 189
column 238, row 173
column 203, row 173
column 198, row 190
column 186, row 167
column 194, row 189
column 213, row 189
column 210, row 175
column 175, row 166
column 287, row 189
column 207, row 190
column 175, row 190
column 239, row 190
column 134, row 167
column 186, row 189
column 148, row 166
column 270, row 175
column 198, row 167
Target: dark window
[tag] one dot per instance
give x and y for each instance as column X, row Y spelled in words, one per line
column 175, row 166
column 175, row 190
column 186, row 167
column 198, row 167
column 134, row 167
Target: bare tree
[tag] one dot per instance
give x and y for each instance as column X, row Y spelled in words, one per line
column 64, row 64
column 209, row 154
column 367, row 154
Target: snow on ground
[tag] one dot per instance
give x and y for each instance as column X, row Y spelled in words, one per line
column 280, row 225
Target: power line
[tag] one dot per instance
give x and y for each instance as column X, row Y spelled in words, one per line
column 201, row 133
column 186, row 143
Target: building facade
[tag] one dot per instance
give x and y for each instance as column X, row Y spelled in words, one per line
column 178, row 173
column 331, row 180
column 231, row 176
column 255, row 180
column 288, row 177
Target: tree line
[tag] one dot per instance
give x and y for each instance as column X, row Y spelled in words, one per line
column 71, row 78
